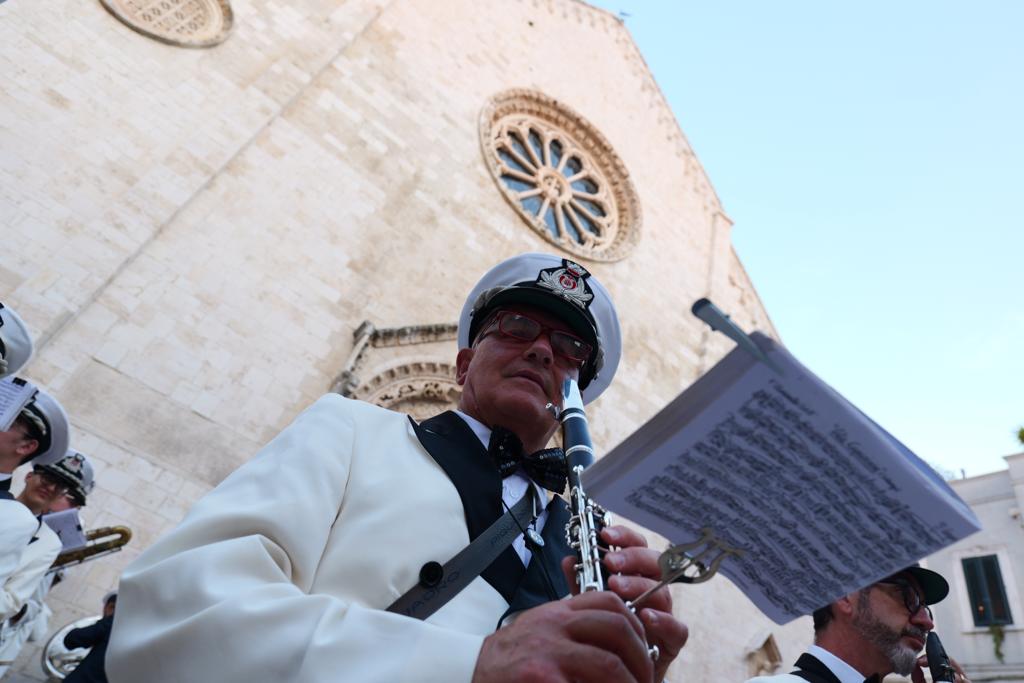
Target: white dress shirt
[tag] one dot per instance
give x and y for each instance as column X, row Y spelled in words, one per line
column 843, row 671
column 513, row 488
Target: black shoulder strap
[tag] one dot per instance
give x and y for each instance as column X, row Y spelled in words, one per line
column 433, row 593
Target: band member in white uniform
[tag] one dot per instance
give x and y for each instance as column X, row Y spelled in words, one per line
column 48, row 488
column 15, row 351
column 284, row 571
column 39, row 436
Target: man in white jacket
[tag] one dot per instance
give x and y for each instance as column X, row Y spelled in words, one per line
column 39, row 435
column 284, row 572
column 48, row 488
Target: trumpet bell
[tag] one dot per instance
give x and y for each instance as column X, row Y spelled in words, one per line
column 59, row 661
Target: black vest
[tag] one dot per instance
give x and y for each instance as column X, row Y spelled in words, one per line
column 455, row 447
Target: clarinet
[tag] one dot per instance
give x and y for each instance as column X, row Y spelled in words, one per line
column 587, row 518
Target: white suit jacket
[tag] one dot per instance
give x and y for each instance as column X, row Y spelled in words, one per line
column 17, row 526
column 283, row 571
column 28, row 584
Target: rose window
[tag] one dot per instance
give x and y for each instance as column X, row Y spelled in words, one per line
column 570, row 188
column 187, row 23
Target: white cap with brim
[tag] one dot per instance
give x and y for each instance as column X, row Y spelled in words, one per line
column 565, row 289
column 75, row 470
column 51, row 421
column 15, row 342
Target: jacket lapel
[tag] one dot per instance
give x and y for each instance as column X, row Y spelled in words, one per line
column 454, row 446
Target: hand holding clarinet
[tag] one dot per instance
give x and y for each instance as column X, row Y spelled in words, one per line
column 594, row 635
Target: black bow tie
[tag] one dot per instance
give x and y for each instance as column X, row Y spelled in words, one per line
column 873, row 678
column 546, row 467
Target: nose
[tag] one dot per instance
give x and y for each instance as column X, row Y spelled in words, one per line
column 922, row 618
column 540, row 350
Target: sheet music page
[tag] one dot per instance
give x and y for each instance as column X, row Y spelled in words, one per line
column 15, row 393
column 820, row 500
column 68, row 528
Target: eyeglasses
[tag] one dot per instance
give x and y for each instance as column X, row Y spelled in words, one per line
column 525, row 328
column 912, row 600
column 59, row 487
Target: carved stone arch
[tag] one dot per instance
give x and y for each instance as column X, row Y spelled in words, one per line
column 764, row 658
column 419, row 388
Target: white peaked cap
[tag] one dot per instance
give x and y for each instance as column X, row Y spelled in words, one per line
column 54, row 445
column 15, row 340
column 76, row 471
column 565, row 289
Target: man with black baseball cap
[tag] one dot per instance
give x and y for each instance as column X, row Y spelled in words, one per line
column 292, row 568
column 866, row 635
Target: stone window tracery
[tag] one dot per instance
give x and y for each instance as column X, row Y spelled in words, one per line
column 186, row 23
column 561, row 175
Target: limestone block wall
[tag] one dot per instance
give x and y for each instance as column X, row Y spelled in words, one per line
column 195, row 235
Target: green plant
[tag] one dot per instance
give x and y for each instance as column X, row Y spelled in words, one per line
column 998, row 634
column 1020, row 435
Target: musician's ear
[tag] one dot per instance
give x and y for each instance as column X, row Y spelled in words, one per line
column 26, row 448
column 462, row 365
column 846, row 605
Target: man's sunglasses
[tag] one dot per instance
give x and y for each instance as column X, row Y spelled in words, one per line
column 525, row 328
column 59, row 486
column 912, row 600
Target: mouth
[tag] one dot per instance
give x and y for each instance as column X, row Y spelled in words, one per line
column 533, row 377
column 916, row 642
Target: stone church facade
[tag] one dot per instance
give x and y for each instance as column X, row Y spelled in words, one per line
column 214, row 213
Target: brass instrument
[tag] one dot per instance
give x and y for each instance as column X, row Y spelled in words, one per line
column 113, row 538
column 59, row 661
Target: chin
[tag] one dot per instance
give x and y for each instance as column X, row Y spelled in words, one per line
column 526, row 416
column 903, row 659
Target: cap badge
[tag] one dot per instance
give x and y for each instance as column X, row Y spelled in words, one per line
column 74, row 464
column 568, row 282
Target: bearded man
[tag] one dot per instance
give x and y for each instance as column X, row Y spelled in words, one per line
column 866, row 635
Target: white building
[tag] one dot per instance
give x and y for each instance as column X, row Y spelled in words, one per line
column 981, row 623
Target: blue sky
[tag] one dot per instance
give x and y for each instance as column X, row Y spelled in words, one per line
column 870, row 155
